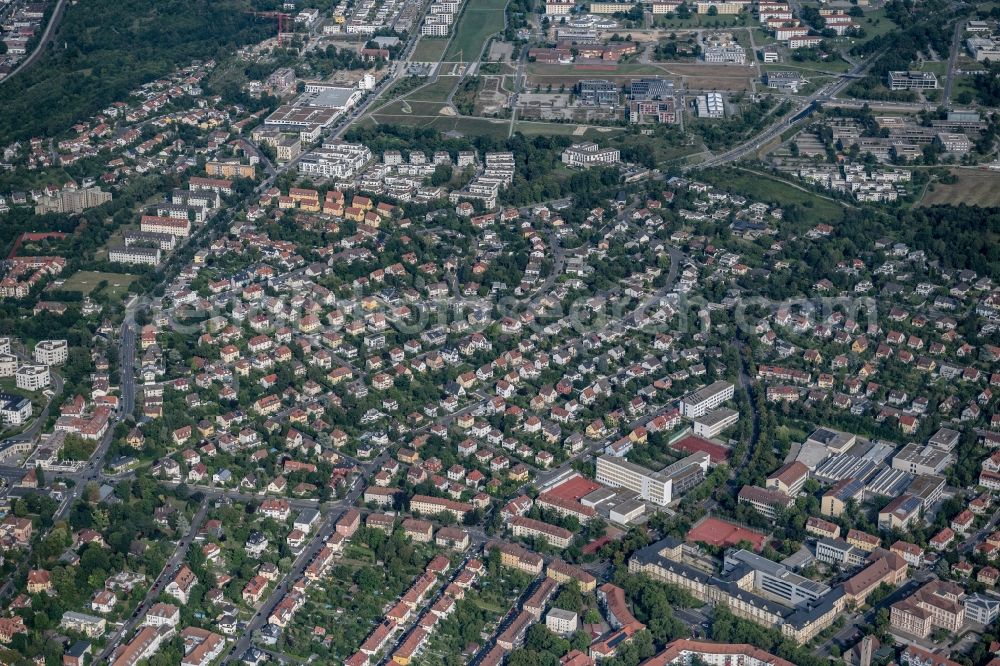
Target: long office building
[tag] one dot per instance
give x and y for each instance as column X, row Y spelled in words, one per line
column 656, row 487
column 753, row 588
column 698, row 403
column 649, row 485
column 775, row 579
column 598, row 92
column 715, row 422
column 912, row 81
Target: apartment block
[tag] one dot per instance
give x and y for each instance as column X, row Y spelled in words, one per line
column 517, row 557
column 51, row 352
column 32, row 377
column 165, row 225
column 147, row 256
column 589, row 154
column 337, row 160
column 72, row 201
column 698, row 403
column 528, row 527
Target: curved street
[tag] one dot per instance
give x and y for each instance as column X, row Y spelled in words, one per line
column 43, row 41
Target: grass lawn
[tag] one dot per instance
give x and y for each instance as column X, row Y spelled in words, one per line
column 807, row 67
column 404, row 107
column 434, row 92
column 479, row 20
column 939, row 67
column 874, row 23
column 533, row 128
column 963, row 84
column 763, row 187
column 743, row 39
column 9, row 385
column 398, row 89
column 762, row 37
column 465, row 125
column 86, row 282
column 429, row 49
column 967, row 64
column 790, row 132
column 621, row 69
column 705, row 21
column 472, row 126
column 974, row 188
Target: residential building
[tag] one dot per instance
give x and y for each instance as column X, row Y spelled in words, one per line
column 90, row 626
column 589, row 154
column 165, row 225
column 561, row 622
column 556, row 536
column 144, row 644
column 72, row 201
column 336, row 160
column 15, row 410
column 51, row 352
column 682, row 652
column 32, row 377
column 148, row 256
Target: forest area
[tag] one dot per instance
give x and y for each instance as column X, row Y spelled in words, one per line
column 104, row 49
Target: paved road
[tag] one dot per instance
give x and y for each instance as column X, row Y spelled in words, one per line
column 823, row 95
column 216, row 492
column 979, row 535
column 515, row 609
column 548, row 477
column 92, row 472
column 956, row 40
column 55, row 388
column 168, row 572
column 296, row 572
column 425, row 607
column 127, row 374
column 519, row 75
column 397, row 71
column 47, row 35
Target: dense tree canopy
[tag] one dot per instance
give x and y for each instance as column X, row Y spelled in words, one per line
column 105, row 48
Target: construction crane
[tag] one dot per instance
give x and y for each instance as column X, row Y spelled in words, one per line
column 280, row 16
